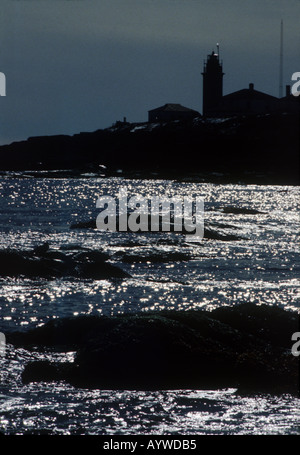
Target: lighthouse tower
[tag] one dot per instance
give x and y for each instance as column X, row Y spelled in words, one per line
column 212, row 83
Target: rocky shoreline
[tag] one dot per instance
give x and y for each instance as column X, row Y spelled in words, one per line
column 226, row 150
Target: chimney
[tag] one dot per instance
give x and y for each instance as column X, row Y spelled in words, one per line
column 251, row 86
column 287, row 90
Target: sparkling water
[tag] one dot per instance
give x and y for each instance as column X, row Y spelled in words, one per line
column 261, row 267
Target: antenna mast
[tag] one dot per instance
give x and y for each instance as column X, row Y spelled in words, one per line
column 281, row 60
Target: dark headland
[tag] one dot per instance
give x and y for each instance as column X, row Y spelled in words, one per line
column 248, row 149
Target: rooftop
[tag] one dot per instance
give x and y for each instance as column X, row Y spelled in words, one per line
column 248, row 93
column 169, row 107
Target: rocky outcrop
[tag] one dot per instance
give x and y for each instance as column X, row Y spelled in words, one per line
column 246, row 346
column 44, row 263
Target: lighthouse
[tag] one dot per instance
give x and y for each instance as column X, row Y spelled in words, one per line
column 212, row 82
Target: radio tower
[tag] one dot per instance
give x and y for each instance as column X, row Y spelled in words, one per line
column 281, row 61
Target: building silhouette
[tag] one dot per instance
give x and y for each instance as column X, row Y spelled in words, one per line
column 212, row 83
column 247, row 101
column 170, row 112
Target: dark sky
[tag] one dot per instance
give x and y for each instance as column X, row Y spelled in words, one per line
column 80, row 65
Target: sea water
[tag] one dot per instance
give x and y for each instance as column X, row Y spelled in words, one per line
column 261, row 267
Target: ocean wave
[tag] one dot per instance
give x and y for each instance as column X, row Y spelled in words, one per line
column 241, row 210
column 152, row 256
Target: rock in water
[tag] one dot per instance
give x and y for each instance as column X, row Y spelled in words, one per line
column 228, row 347
column 43, row 263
